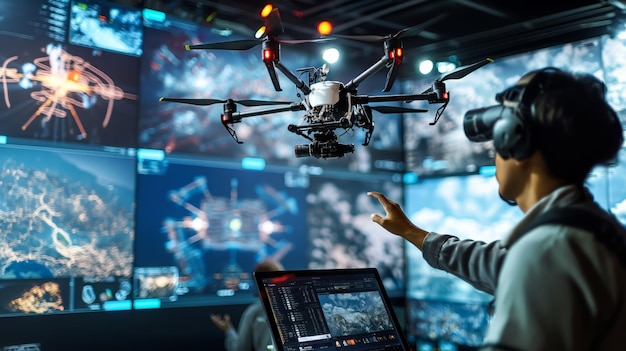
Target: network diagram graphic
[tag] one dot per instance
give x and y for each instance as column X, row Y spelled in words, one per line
column 62, row 85
column 232, row 224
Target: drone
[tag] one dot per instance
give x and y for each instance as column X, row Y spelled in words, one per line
column 331, row 108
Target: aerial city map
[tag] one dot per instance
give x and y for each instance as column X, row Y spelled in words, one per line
column 63, row 216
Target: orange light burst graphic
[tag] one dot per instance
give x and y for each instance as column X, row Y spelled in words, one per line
column 67, row 82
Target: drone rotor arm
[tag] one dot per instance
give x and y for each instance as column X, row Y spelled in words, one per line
column 293, row 106
column 363, row 99
column 354, row 83
column 397, row 109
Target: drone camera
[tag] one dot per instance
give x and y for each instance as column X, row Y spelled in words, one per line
column 318, row 149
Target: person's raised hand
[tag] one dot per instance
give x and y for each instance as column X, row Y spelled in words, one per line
column 396, row 221
column 222, row 323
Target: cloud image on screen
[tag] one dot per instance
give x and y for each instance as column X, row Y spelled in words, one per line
column 613, row 49
column 617, row 187
column 460, row 323
column 65, row 214
column 355, row 313
column 465, row 206
column 342, row 235
column 443, row 148
column 106, row 26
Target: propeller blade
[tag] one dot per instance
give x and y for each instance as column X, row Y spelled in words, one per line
column 206, row 102
column 461, row 72
column 261, row 102
column 244, row 44
column 372, row 38
column 465, row 70
column 415, row 30
column 403, row 33
column 199, row 102
column 396, row 109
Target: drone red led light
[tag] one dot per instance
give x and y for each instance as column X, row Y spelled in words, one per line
column 268, row 55
column 395, row 54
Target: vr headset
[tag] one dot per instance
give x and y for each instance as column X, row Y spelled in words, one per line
column 508, row 123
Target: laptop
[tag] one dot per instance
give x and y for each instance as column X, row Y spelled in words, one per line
column 335, row 309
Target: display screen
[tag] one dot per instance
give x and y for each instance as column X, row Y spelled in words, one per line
column 67, row 91
column 202, row 227
column 342, row 234
column 168, row 70
column 329, row 309
column 615, row 73
column 465, row 206
column 67, row 229
column 439, row 323
column 616, row 190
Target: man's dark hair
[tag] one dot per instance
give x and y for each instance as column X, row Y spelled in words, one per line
column 573, row 125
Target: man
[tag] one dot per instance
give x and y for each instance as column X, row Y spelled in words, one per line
column 556, row 287
column 253, row 332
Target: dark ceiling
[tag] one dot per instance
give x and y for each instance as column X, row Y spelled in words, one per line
column 469, row 29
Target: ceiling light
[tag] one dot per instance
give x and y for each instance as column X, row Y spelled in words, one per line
column 324, row 28
column 426, row 66
column 445, row 66
column 331, row 55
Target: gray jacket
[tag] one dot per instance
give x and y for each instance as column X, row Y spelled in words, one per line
column 253, row 332
column 558, row 288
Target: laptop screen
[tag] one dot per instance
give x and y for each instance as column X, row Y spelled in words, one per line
column 338, row 309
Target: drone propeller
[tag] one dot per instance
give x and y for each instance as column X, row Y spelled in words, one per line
column 227, row 45
column 461, row 72
column 246, row 44
column 465, row 70
column 271, row 29
column 206, row 102
column 396, row 109
column 403, row 33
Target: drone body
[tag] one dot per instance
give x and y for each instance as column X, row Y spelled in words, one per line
column 331, row 108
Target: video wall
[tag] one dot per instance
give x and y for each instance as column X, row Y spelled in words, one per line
column 113, row 200
column 68, row 120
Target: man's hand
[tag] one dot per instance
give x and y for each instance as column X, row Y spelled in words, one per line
column 395, row 221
